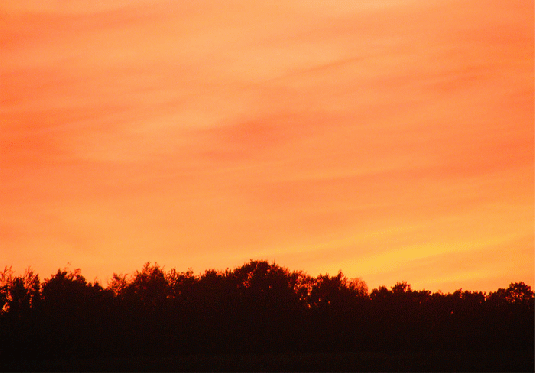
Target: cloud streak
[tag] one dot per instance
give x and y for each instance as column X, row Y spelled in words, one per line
column 370, row 139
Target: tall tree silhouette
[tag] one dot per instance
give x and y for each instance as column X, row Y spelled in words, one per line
column 258, row 307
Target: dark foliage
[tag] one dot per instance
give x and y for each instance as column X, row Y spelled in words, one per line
column 258, row 308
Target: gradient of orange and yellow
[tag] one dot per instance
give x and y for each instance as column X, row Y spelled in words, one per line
column 393, row 140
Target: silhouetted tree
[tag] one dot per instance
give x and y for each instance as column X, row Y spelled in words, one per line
column 267, row 302
column 19, row 296
column 257, row 307
column 73, row 313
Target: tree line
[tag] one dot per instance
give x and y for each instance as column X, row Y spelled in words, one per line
column 257, row 307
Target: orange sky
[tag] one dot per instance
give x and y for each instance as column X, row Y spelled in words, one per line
column 393, row 140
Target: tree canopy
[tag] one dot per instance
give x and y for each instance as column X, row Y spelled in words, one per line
column 257, row 307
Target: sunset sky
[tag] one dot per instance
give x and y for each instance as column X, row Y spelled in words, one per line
column 392, row 140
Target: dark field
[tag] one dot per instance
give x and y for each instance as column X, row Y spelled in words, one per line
column 452, row 361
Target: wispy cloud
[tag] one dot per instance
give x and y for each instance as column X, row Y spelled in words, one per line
column 370, row 139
